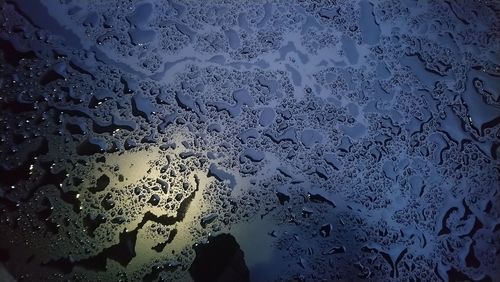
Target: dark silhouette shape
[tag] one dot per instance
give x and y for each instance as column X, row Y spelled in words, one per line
column 221, row 259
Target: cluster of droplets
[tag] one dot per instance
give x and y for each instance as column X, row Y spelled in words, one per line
column 392, row 125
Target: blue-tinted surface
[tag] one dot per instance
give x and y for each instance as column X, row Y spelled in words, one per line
column 250, row 140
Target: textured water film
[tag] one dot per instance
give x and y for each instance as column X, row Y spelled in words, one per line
column 306, row 140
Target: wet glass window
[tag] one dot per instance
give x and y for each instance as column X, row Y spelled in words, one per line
column 169, row 140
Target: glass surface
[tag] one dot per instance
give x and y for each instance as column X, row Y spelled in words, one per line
column 249, row 141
